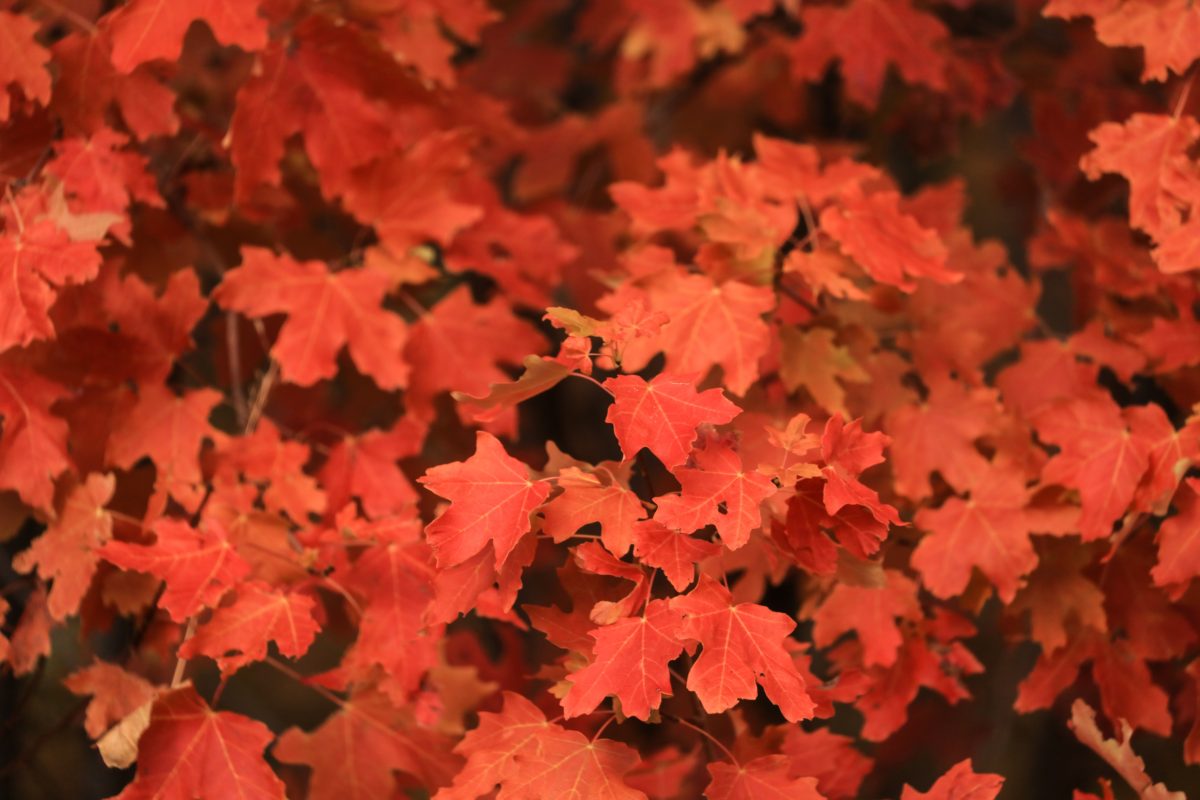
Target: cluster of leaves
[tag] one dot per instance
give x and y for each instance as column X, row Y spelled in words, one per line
column 269, row 265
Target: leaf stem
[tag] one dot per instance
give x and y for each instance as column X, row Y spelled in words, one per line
column 706, row 735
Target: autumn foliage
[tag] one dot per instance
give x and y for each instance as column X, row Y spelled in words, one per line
column 599, row 399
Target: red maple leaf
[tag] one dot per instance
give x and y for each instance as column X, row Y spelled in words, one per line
column 364, row 466
column 197, row 565
column 237, row 634
column 354, row 753
column 530, row 758
column 867, row 36
column 990, row 531
column 629, row 661
column 1167, row 30
column 169, row 430
column 676, row 554
column 959, row 783
column 325, row 312
column 34, row 260
column 459, row 346
column 1099, row 456
column 718, row 491
column 763, row 778
column 663, row 415
column 22, row 61
column 189, row 751
column 491, row 499
column 1178, row 543
column 874, row 613
column 145, row 30
column 589, row 497
column 116, row 693
column 33, row 449
column 742, row 644
column 890, row 245
column 67, row 552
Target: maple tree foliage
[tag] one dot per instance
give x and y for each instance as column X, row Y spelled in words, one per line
column 539, row 399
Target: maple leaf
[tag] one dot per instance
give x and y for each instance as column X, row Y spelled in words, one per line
column 589, row 497
column 676, row 554
column 630, row 661
column 663, row 415
column 742, row 644
column 30, row 640
column 1099, row 456
column 960, row 782
column 763, row 778
column 532, row 759
column 189, row 750
column 1060, row 598
column 160, row 324
column 867, row 36
column 718, row 491
column 1178, row 543
column 593, row 558
column 146, row 30
column 541, row 374
column 355, row 751
column 939, row 435
column 33, row 448
column 871, row 612
column 237, row 634
column 1151, row 152
column 263, row 456
column 890, row 245
column 491, row 499
column 409, row 196
column 811, row 359
column 99, row 175
column 115, row 693
column 22, row 61
column 169, row 430
column 1168, row 31
column 459, row 345
column 1118, row 754
column 67, row 551
column 197, row 565
column 712, row 324
column 364, row 466
column 87, row 86
column 990, row 531
column 1127, row 692
column 936, row 665
column 325, row 311
column 34, row 260
column 848, row 450
column 829, row 757
column 395, row 579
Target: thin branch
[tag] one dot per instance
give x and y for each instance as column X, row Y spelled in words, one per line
column 181, row 663
column 590, row 379
column 706, row 735
column 600, row 730
column 71, row 15
column 298, row 678
column 233, row 346
column 260, row 397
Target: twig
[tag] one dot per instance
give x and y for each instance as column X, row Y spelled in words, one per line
column 74, row 16
column 260, row 397
column 590, row 379
column 181, row 663
column 705, row 734
column 298, row 678
column 232, row 345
